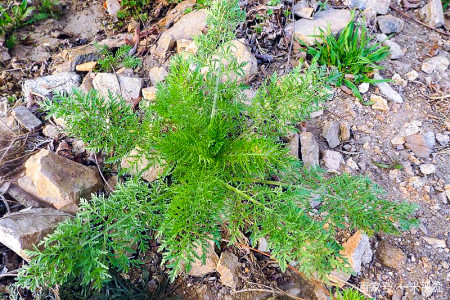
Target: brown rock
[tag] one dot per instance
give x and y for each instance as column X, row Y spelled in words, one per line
column 136, row 164
column 157, row 74
column 418, row 145
column 149, row 93
column 228, row 267
column 391, row 256
column 380, row 103
column 309, row 149
column 357, row 250
column 20, row 231
column 86, row 67
column 345, row 130
column 59, row 181
column 211, row 259
column 293, row 144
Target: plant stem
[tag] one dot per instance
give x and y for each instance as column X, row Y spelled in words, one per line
column 245, row 196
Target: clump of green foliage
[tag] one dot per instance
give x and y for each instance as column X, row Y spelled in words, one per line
column 134, row 9
column 225, row 169
column 12, row 17
column 121, row 58
column 352, row 54
column 350, row 294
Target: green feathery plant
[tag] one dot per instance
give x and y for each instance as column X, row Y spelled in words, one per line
column 353, row 55
column 121, row 58
column 225, row 169
column 134, row 8
column 350, row 294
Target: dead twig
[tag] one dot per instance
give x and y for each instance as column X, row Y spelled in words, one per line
column 419, row 22
column 281, row 293
column 290, row 267
column 291, row 43
column 101, row 173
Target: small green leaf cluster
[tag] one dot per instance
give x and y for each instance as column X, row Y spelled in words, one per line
column 107, row 124
column 100, row 238
column 350, row 294
column 13, row 17
column 225, row 169
column 134, row 9
column 352, row 53
column 121, row 58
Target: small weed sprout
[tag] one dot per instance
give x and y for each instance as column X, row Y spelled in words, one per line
column 224, row 170
column 352, row 53
column 121, row 58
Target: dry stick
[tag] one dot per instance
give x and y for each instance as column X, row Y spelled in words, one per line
column 290, row 267
column 6, row 203
column 268, row 291
column 293, row 33
column 101, row 174
column 418, row 22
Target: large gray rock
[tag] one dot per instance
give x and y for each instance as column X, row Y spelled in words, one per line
column 198, row 268
column 432, row 13
column 331, row 133
column 228, row 267
column 45, row 86
column 387, row 91
column 337, row 19
column 59, row 181
column 187, row 27
column 332, row 160
column 26, row 118
column 309, row 149
column 438, row 63
column 243, row 55
column 85, row 23
column 128, row 87
column 21, row 230
column 389, row 24
column 357, row 250
column 380, row 7
column 80, row 55
column 293, row 144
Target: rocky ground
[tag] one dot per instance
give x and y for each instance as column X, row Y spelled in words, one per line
column 401, row 141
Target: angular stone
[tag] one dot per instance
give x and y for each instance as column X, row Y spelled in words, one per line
column 389, row 24
column 211, row 259
column 157, row 74
column 412, row 75
column 293, row 144
column 186, row 46
column 396, row 50
column 438, row 63
column 243, row 55
column 387, row 90
column 380, row 103
column 337, row 19
column 357, row 250
column 228, row 267
column 45, row 86
column 432, row 13
column 165, row 44
column 86, row 67
column 418, row 145
column 80, row 55
column 391, row 256
column 344, row 127
column 398, row 80
column 189, row 25
column 26, row 118
column 332, row 160
column 410, row 128
column 309, row 149
column 427, row 169
column 436, row 243
column 77, row 22
column 380, row 7
column 21, row 230
column 59, row 181
column 430, row 139
column 364, row 87
column 443, row 139
column 149, row 93
column 135, row 163
column 331, row 133
column 128, row 87
column 113, row 6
